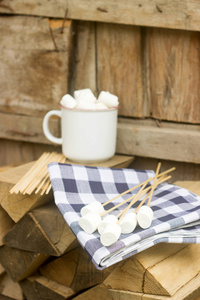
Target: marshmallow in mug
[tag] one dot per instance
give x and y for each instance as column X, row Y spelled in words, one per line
column 85, row 99
column 68, row 101
column 85, row 94
column 108, row 99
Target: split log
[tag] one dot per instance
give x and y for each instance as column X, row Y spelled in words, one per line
column 100, row 292
column 41, row 288
column 17, row 205
column 149, row 269
column 9, row 288
column 6, row 223
column 42, row 230
column 2, row 270
column 75, row 270
column 20, row 264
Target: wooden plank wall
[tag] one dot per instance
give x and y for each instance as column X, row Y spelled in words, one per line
column 145, row 52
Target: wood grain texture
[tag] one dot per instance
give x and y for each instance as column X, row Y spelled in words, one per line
column 174, row 74
column 76, row 270
column 17, row 205
column 20, row 264
column 6, row 224
column 181, row 274
column 34, row 61
column 160, row 141
column 171, row 14
column 9, row 288
column 18, row 152
column 145, row 138
column 43, row 230
column 84, row 67
column 119, row 66
column 38, row 287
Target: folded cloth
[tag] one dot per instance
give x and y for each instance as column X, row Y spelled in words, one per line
column 176, row 210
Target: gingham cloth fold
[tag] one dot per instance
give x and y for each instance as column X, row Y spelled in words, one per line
column 176, row 210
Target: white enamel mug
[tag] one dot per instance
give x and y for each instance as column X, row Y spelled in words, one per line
column 88, row 136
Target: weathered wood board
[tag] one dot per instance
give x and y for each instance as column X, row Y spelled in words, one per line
column 34, row 63
column 119, row 69
column 84, row 60
column 145, row 138
column 159, row 140
column 171, row 14
column 174, row 74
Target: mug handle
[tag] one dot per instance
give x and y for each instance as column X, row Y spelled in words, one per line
column 46, row 130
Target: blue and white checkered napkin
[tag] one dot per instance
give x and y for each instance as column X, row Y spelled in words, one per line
column 176, row 210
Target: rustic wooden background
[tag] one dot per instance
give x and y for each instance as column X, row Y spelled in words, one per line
column 146, row 52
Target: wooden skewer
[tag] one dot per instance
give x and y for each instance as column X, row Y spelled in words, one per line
column 42, row 173
column 140, row 184
column 29, row 181
column 47, row 187
column 133, row 196
column 154, row 185
column 17, row 186
column 143, row 192
column 38, row 175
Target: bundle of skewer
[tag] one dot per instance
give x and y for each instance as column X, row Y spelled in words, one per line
column 111, row 227
column 37, row 179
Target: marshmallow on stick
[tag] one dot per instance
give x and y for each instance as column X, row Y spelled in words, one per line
column 110, row 227
column 110, row 234
column 105, row 222
column 90, row 222
column 128, row 223
column 94, row 206
column 145, row 213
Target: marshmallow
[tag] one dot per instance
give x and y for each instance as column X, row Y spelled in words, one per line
column 100, row 105
column 145, row 217
column 85, row 94
column 110, row 234
column 68, row 101
column 108, row 99
column 90, row 222
column 106, row 221
column 128, row 223
column 94, row 206
column 83, row 104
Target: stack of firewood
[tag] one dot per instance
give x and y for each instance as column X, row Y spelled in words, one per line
column 42, row 260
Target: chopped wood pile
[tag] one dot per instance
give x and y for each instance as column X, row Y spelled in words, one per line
column 41, row 258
